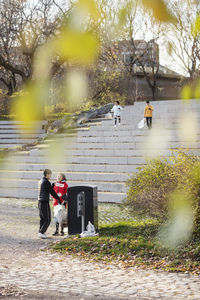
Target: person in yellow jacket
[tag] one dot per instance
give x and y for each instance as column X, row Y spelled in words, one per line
column 148, row 114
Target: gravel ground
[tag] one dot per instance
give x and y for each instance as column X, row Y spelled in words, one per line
column 27, row 272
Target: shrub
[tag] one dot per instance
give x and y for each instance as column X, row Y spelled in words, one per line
column 151, row 190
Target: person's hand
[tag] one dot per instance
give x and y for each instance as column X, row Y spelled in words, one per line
column 65, row 198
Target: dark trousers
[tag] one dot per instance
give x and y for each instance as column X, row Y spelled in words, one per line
column 119, row 119
column 57, row 227
column 45, row 216
column 149, row 122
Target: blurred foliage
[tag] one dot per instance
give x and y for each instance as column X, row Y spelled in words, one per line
column 165, row 187
column 196, row 27
column 160, row 10
column 74, row 44
column 191, row 90
column 3, row 154
column 186, row 92
column 75, row 41
column 29, row 106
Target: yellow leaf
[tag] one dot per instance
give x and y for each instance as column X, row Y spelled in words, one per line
column 29, row 106
column 197, row 90
column 122, row 16
column 89, row 7
column 80, row 47
column 196, row 26
column 160, row 10
column 75, row 87
column 186, row 92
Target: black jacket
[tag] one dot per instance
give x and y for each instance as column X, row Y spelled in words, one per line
column 45, row 189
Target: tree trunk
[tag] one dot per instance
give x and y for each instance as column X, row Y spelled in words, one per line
column 154, row 92
column 130, row 93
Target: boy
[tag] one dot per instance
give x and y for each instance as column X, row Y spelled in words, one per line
column 117, row 112
column 148, row 112
column 45, row 189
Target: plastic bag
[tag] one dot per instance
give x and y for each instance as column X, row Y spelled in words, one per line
column 90, row 231
column 142, row 123
column 60, row 215
column 109, row 116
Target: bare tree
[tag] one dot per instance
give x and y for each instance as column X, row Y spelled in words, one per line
column 131, row 55
column 184, row 42
column 24, row 26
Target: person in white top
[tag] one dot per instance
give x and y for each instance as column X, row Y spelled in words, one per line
column 117, row 109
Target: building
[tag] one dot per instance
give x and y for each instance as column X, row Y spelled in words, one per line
column 138, row 62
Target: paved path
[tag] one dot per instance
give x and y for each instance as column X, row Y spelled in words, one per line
column 27, row 273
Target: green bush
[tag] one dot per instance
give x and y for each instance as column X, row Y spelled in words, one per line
column 164, row 185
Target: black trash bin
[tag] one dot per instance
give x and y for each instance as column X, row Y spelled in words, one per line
column 82, row 208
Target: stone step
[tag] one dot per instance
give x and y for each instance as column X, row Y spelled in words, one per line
column 16, row 141
column 33, row 194
column 7, row 146
column 33, row 184
column 85, row 160
column 9, row 136
column 161, row 145
column 131, row 127
column 133, row 123
column 71, row 176
column 164, row 105
column 157, row 143
column 168, row 102
column 135, row 138
column 162, row 109
column 19, row 127
column 111, row 197
column 88, row 145
column 118, row 133
column 13, row 122
column 21, row 132
column 99, row 153
column 70, row 167
column 130, row 124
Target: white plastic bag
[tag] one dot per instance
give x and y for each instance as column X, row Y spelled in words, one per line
column 60, row 215
column 109, row 116
column 142, row 123
column 90, row 231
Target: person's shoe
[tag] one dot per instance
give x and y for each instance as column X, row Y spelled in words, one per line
column 55, row 233
column 119, row 124
column 115, row 126
column 42, row 235
column 62, row 233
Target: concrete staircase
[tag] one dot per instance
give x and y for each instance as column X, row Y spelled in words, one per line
column 103, row 155
column 15, row 134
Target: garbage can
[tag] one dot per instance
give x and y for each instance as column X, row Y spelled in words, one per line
column 82, row 208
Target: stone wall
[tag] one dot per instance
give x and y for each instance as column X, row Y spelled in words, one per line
column 137, row 88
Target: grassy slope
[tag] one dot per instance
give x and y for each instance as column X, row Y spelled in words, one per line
column 133, row 243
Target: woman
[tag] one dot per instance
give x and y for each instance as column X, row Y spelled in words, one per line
column 60, row 187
